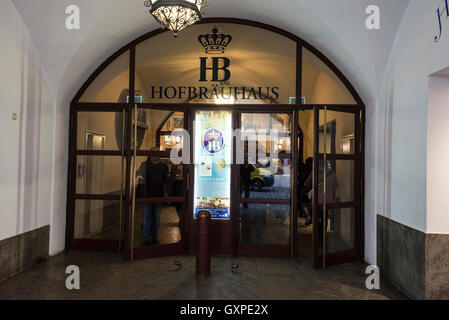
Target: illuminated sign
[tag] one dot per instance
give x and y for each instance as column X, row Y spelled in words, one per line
column 217, row 71
column 213, row 156
column 212, row 141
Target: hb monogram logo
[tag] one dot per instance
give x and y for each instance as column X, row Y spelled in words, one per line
column 213, row 141
column 215, row 44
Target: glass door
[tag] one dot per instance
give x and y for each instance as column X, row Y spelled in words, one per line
column 264, row 157
column 97, row 179
column 158, row 183
column 336, row 186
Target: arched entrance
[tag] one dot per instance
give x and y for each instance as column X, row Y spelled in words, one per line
column 243, row 104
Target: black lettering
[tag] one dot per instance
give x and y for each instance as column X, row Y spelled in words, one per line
column 153, row 92
column 236, row 93
column 182, row 92
column 252, row 93
column 223, row 94
column 192, row 93
column 171, row 96
column 203, row 92
column 243, row 93
column 274, row 90
column 215, row 69
column 440, row 24
column 214, row 93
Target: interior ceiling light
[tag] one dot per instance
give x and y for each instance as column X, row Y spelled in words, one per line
column 177, row 15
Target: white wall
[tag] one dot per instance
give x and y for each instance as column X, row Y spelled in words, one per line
column 26, row 143
column 438, row 156
column 403, row 113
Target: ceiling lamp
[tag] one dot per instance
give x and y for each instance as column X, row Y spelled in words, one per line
column 177, row 15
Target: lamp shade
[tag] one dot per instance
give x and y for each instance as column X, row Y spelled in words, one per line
column 177, row 15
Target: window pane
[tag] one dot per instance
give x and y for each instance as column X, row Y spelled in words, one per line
column 340, row 133
column 340, row 231
column 320, row 85
column 99, row 174
column 265, row 224
column 159, row 129
column 267, row 155
column 100, row 131
column 255, row 66
column 266, row 182
column 305, row 134
column 157, row 223
column 97, row 219
column 158, row 177
column 340, row 179
column 112, row 84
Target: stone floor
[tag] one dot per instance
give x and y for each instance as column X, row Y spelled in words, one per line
column 107, row 276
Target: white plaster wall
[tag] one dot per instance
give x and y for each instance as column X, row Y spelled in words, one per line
column 438, row 155
column 403, row 115
column 26, row 143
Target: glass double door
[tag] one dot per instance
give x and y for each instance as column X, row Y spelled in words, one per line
column 292, row 184
column 264, row 198
column 329, row 193
column 158, row 192
column 125, row 192
column 242, row 176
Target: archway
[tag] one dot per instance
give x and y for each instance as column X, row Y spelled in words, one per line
column 226, row 74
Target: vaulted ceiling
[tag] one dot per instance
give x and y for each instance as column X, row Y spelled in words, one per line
column 337, row 28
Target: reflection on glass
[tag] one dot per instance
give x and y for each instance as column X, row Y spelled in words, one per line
column 339, row 133
column 267, row 133
column 305, row 145
column 320, row 85
column 97, row 219
column 265, row 224
column 340, row 231
column 98, row 174
column 267, row 149
column 157, row 224
column 269, row 182
column 158, row 177
column 159, row 129
column 99, row 131
column 340, row 181
column 110, row 83
column 305, row 172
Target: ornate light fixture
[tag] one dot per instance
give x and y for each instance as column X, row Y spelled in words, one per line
column 177, row 15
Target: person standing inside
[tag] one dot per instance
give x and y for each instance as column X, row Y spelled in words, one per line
column 153, row 175
column 304, row 186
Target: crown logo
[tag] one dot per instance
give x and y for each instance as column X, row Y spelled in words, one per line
column 213, row 135
column 215, row 43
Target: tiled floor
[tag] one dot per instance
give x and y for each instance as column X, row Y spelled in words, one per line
column 107, row 276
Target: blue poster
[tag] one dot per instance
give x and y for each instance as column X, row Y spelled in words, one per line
column 213, row 156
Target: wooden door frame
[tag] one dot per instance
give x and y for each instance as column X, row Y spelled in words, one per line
column 357, row 252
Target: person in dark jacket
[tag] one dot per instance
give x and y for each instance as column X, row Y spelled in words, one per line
column 305, row 172
column 153, row 175
column 245, row 176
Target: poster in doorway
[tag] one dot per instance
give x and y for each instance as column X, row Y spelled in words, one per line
column 213, row 156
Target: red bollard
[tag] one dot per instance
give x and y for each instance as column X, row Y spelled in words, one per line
column 203, row 247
